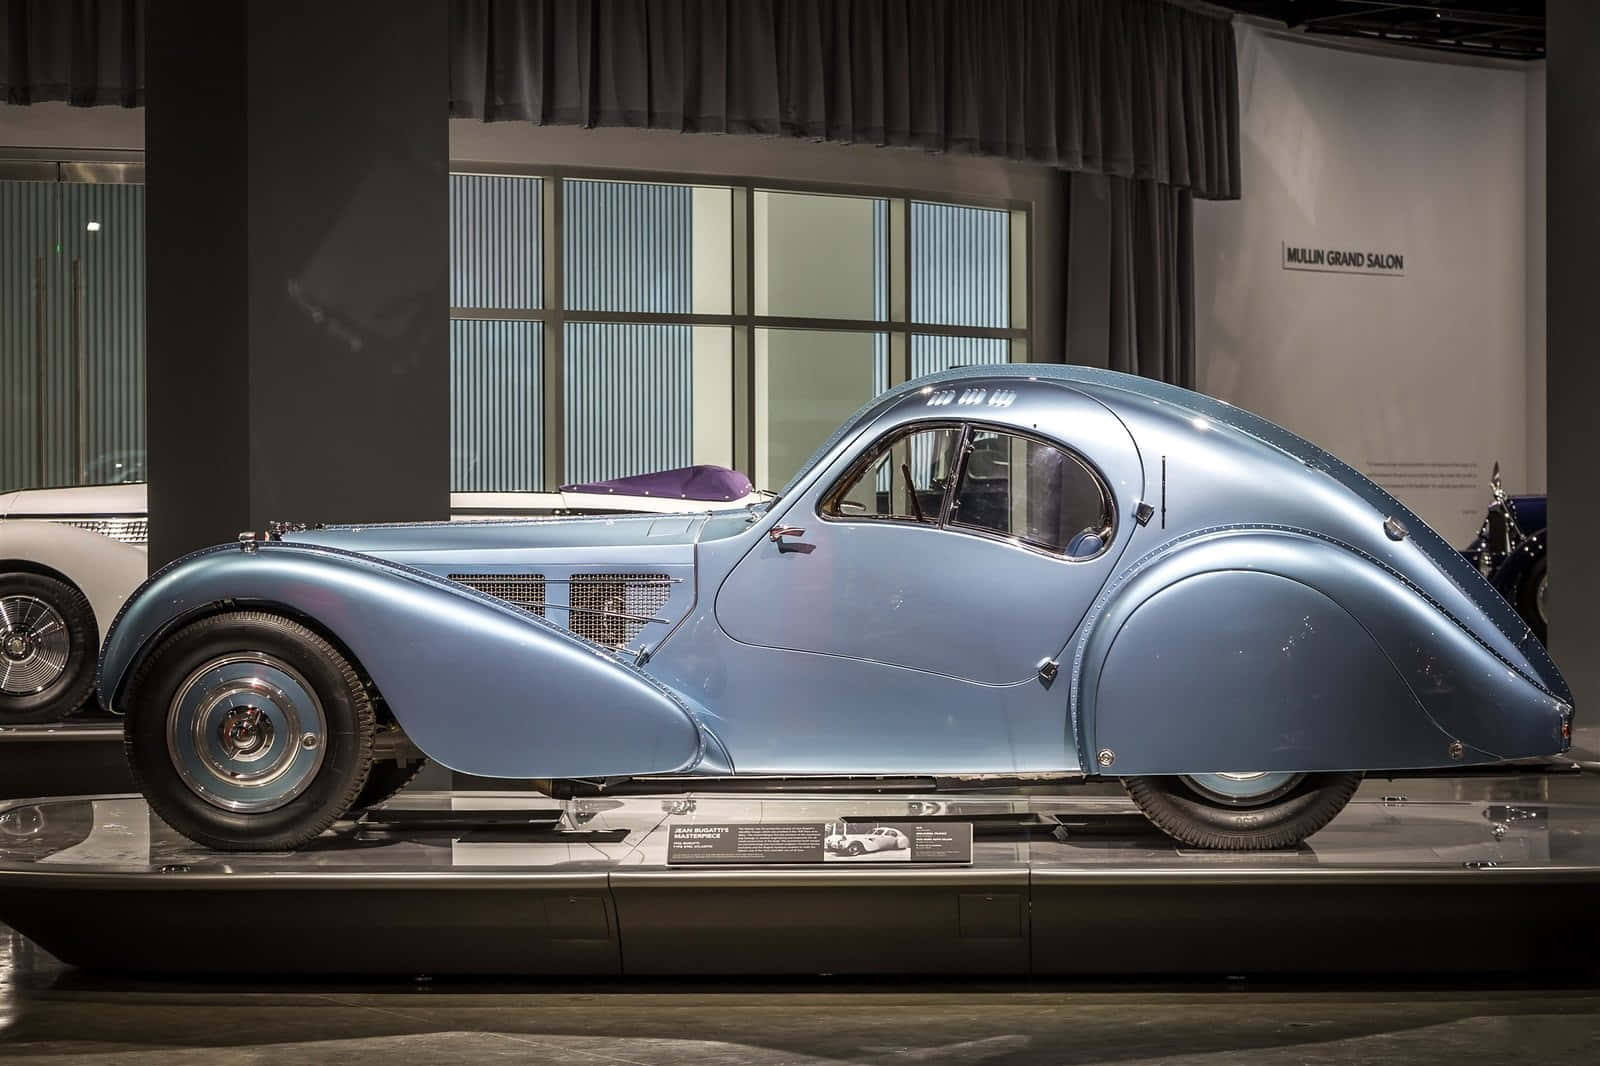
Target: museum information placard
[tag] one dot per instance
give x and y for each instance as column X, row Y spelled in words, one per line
column 805, row 843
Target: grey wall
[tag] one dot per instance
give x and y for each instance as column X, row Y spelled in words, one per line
column 1381, row 152
column 1537, row 436
column 56, row 125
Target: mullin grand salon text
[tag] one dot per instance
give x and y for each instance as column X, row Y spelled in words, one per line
column 1345, row 260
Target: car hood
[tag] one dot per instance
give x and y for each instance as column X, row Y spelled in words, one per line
column 86, row 500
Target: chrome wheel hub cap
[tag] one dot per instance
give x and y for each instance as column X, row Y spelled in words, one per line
column 246, row 733
column 34, row 645
column 1242, row 789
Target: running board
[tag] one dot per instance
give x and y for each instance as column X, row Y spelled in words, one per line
column 876, row 785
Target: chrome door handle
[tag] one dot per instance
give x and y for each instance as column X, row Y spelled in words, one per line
column 777, row 533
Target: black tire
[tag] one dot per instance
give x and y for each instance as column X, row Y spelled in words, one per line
column 329, row 788
column 385, row 779
column 68, row 691
column 1190, row 816
column 855, row 848
column 1528, row 598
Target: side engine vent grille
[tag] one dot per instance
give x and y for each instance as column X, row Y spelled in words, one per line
column 523, row 590
column 612, row 609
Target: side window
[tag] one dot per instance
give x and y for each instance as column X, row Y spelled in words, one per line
column 1041, row 495
column 905, row 477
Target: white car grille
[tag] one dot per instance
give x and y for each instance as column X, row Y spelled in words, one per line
column 126, row 530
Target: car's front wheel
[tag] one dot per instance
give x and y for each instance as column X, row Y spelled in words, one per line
column 48, row 645
column 248, row 731
column 1242, row 811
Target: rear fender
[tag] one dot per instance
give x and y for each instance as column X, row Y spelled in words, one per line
column 1243, row 650
column 479, row 685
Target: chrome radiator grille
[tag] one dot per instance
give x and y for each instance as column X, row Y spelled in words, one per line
column 126, row 530
column 524, row 590
column 612, row 609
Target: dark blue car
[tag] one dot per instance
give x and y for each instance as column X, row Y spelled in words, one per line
column 1509, row 552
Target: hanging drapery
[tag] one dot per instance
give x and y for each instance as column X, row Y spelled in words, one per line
column 1129, row 277
column 1151, row 311
column 1136, row 88
column 87, row 52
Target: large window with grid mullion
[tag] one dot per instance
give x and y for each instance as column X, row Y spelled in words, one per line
column 649, row 335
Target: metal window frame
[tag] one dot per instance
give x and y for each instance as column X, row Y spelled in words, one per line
column 742, row 320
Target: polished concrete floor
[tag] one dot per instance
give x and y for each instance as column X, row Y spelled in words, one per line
column 52, row 1015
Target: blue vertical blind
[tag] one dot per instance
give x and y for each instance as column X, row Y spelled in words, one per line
column 27, row 219
column 628, row 399
column 931, row 353
column 496, row 242
column 960, row 265
column 72, row 335
column 496, row 393
column 496, row 367
column 629, row 403
column 102, row 243
column 960, row 276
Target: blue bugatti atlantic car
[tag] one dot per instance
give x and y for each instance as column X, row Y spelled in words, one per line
column 1010, row 572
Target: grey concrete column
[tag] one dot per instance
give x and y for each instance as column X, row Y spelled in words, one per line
column 297, row 219
column 1573, row 360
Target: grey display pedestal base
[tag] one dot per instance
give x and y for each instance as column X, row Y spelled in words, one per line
column 1393, row 885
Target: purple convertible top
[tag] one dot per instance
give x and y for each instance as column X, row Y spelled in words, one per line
column 684, row 483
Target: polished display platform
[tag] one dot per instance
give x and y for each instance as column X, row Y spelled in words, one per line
column 1453, row 876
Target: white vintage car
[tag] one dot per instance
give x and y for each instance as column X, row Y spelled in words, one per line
column 70, row 557
column 882, row 838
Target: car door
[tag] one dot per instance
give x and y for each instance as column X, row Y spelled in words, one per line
column 920, row 589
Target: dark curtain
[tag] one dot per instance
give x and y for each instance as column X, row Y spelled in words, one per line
column 86, row 52
column 1129, row 275
column 1138, row 88
column 1152, row 281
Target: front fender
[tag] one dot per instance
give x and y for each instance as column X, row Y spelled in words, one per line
column 1245, row 650
column 105, row 570
column 480, row 686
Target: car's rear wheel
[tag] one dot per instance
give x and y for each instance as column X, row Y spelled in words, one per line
column 48, row 646
column 1242, row 811
column 248, row 732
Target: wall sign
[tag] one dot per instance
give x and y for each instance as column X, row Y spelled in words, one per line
column 1344, row 260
